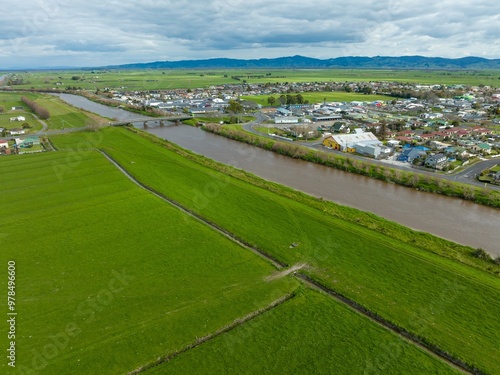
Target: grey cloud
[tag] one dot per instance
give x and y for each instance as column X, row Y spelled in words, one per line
column 130, row 31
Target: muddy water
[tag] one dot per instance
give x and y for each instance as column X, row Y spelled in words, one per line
column 457, row 220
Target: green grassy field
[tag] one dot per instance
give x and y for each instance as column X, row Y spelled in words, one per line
column 443, row 301
column 307, row 335
column 149, row 79
column 9, row 100
column 5, row 122
column 319, row 97
column 62, row 115
column 109, row 277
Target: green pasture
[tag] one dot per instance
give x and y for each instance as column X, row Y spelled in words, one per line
column 311, row 334
column 62, row 115
column 447, row 303
column 30, row 119
column 164, row 79
column 13, row 99
column 108, row 276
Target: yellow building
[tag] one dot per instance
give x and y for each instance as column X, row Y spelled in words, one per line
column 332, row 143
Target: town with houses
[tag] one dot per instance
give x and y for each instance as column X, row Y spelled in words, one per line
column 423, row 126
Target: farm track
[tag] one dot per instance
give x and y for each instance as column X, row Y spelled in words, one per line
column 310, row 282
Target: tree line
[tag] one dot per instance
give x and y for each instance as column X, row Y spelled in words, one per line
column 41, row 112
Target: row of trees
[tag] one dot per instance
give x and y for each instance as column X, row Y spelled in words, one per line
column 41, row 112
column 287, row 99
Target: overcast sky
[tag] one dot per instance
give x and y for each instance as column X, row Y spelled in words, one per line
column 50, row 33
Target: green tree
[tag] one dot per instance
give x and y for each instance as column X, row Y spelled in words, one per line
column 290, row 99
column 366, row 90
column 234, row 108
column 271, row 100
column 2, row 109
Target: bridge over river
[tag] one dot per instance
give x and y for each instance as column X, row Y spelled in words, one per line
column 145, row 120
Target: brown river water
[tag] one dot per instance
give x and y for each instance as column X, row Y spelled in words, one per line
column 451, row 218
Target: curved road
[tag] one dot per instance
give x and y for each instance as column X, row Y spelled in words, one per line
column 466, row 176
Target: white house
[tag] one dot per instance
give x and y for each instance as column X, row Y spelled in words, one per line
column 4, row 144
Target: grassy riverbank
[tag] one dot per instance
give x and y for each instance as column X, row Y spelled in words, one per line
column 392, row 271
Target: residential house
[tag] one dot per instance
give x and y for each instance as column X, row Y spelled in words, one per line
column 482, row 147
column 4, row 144
column 340, row 127
column 439, row 145
column 406, row 133
column 411, row 153
column 457, row 151
column 437, row 161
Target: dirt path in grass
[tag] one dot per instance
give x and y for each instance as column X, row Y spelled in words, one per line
column 285, row 272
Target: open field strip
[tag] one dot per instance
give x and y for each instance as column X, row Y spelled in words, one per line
column 447, row 304
column 307, row 335
column 109, row 277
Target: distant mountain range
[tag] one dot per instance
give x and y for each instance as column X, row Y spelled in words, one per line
column 301, row 62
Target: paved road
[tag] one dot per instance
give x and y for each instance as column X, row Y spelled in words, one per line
column 466, row 176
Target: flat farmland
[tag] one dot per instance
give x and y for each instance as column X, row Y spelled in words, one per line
column 306, row 335
column 164, row 79
column 110, row 277
column 443, row 301
column 62, row 115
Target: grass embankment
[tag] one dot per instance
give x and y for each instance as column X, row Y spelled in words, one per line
column 417, row 181
column 306, row 335
column 110, row 277
column 445, row 303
